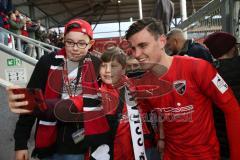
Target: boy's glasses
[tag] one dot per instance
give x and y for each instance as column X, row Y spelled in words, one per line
column 81, row 45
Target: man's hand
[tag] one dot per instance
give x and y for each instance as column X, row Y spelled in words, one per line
column 160, row 147
column 21, row 155
column 15, row 102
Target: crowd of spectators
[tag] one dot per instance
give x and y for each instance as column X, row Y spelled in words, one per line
column 20, row 24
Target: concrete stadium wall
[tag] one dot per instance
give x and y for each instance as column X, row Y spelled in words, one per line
column 7, row 127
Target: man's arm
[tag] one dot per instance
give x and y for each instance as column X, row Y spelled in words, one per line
column 232, row 116
column 213, row 86
column 16, row 25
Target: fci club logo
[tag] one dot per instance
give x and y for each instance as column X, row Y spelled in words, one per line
column 180, row 86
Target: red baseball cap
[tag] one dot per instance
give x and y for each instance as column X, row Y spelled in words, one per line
column 79, row 25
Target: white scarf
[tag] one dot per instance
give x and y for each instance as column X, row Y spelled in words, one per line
column 135, row 127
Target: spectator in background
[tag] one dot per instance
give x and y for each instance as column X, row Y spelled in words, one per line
column 25, row 33
column 60, row 40
column 177, row 44
column 3, row 24
column 18, row 15
column 47, row 37
column 38, row 33
column 38, row 36
column 15, row 25
column 223, row 47
column 32, row 28
column 164, row 11
column 2, row 16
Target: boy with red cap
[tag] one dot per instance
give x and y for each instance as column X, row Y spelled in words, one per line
column 63, row 76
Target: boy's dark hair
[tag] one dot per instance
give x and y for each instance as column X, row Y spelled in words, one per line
column 154, row 26
column 9, row 14
column 114, row 53
column 14, row 10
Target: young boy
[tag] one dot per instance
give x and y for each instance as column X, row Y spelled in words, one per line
column 119, row 114
column 61, row 75
column 112, row 74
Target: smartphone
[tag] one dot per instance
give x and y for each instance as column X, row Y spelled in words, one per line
column 34, row 96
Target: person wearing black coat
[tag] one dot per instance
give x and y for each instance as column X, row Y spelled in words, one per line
column 223, row 48
column 177, row 44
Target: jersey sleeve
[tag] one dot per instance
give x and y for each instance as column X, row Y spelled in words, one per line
column 213, row 86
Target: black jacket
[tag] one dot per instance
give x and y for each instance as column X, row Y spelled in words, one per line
column 194, row 49
column 229, row 69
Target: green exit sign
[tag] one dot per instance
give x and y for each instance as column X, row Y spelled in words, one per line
column 14, row 62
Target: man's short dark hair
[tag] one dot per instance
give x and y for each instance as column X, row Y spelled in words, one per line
column 154, row 26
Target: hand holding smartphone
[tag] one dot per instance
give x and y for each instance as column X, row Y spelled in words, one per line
column 34, row 96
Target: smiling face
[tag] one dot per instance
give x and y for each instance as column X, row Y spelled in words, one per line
column 77, row 45
column 111, row 72
column 13, row 16
column 146, row 48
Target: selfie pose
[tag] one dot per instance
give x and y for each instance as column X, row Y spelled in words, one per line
column 63, row 75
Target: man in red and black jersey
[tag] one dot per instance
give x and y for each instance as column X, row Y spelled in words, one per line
column 184, row 96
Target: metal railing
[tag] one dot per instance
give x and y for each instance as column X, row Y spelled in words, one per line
column 18, row 41
column 18, row 54
column 206, row 20
column 217, row 15
column 204, row 16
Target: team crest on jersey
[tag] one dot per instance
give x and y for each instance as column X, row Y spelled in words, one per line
column 180, row 86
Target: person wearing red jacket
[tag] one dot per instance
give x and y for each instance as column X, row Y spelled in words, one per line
column 184, row 91
column 4, row 24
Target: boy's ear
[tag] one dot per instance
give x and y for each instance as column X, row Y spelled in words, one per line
column 92, row 42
